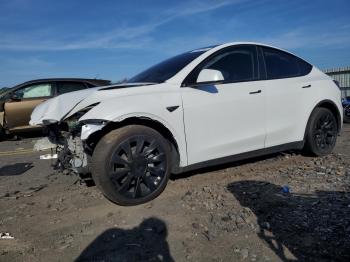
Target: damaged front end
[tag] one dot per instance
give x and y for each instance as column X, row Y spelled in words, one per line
column 71, row 138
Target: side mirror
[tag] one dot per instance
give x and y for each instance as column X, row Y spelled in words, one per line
column 15, row 98
column 210, row 76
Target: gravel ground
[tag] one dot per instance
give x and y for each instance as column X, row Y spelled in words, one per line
column 283, row 207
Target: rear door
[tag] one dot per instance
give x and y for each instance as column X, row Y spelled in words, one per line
column 285, row 87
column 22, row 102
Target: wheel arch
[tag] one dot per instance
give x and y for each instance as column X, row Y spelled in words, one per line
column 329, row 104
column 93, row 139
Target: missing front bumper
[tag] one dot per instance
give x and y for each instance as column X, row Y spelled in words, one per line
column 69, row 140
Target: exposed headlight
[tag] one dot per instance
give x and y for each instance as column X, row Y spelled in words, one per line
column 72, row 121
column 83, row 111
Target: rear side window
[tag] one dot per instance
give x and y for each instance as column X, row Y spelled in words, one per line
column 283, row 65
column 66, row 87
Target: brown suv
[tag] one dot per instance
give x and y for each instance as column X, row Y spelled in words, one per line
column 17, row 103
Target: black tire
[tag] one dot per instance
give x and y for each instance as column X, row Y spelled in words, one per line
column 347, row 114
column 2, row 133
column 346, row 119
column 131, row 165
column 321, row 132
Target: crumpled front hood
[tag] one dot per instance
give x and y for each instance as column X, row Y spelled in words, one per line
column 56, row 108
column 63, row 106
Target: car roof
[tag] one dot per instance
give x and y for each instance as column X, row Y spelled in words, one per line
column 180, row 76
column 251, row 43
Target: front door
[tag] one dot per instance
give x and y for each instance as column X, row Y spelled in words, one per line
column 22, row 103
column 229, row 118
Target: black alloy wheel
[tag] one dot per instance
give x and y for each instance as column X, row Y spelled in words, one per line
column 137, row 167
column 325, row 131
column 322, row 131
column 131, row 165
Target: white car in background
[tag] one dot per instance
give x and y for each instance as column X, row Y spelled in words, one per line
column 204, row 107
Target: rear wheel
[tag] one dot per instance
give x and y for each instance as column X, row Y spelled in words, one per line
column 347, row 114
column 321, row 133
column 131, row 165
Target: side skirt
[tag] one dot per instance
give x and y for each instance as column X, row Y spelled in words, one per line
column 224, row 160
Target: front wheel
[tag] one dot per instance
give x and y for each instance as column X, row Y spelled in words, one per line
column 321, row 133
column 131, row 165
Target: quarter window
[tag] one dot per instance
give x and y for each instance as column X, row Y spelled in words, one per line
column 305, row 68
column 34, row 91
column 283, row 65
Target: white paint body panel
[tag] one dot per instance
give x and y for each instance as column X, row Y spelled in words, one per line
column 88, row 129
column 212, row 121
column 65, row 105
column 289, row 105
column 147, row 102
column 223, row 120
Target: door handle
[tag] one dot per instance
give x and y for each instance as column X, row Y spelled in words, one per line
column 255, row 92
column 308, row 86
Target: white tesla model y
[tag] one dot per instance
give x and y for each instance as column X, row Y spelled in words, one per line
column 203, row 107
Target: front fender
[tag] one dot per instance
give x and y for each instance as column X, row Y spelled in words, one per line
column 153, row 107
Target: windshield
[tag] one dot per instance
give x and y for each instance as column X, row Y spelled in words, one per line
column 161, row 72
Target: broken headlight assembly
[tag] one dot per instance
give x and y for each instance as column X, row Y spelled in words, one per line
column 73, row 124
column 57, row 132
column 71, row 153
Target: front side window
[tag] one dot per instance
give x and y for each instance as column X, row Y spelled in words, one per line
column 66, row 87
column 34, row 91
column 237, row 64
column 283, row 65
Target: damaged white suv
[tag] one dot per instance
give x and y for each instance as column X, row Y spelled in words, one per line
column 204, row 107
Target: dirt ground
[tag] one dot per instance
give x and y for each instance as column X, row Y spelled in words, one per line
column 237, row 212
